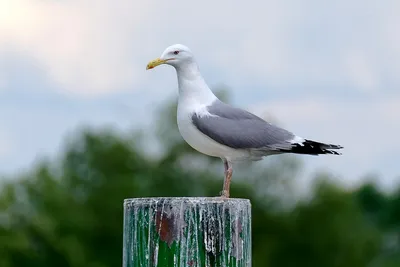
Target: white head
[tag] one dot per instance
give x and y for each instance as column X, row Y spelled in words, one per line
column 175, row 55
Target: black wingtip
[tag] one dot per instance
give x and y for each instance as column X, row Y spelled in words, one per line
column 311, row 147
column 329, row 146
column 327, row 151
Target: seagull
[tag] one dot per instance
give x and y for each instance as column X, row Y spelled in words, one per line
column 217, row 129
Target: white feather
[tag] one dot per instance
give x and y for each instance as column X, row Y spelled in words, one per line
column 298, row 140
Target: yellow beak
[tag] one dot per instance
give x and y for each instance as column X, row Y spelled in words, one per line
column 154, row 63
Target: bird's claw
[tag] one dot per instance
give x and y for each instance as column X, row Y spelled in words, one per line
column 224, row 194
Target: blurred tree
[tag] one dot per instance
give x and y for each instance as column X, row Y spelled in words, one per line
column 328, row 230
column 382, row 210
column 69, row 213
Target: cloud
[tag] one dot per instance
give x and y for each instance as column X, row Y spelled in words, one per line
column 356, row 123
column 330, row 69
column 6, row 144
column 361, row 72
column 84, row 46
column 100, row 46
column 2, row 82
column 368, row 130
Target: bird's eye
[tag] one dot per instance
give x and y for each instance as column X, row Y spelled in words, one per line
column 176, row 52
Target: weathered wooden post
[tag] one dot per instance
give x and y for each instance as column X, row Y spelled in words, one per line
column 187, row 232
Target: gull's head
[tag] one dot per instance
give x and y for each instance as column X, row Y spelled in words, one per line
column 175, row 55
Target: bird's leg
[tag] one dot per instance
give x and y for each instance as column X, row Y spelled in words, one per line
column 228, row 177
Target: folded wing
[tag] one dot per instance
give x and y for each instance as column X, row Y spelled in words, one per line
column 239, row 129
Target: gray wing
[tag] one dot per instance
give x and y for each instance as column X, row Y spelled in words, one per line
column 238, row 128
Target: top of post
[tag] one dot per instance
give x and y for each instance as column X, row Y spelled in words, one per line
column 187, row 200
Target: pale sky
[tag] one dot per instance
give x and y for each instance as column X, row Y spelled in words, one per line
column 326, row 70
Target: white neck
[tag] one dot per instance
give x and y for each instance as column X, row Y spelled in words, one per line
column 192, row 86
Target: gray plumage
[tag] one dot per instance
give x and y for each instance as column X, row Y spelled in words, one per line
column 220, row 130
column 239, row 129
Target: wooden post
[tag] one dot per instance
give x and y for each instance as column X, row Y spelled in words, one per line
column 187, row 232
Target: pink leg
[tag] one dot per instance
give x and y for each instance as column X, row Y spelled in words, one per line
column 227, row 180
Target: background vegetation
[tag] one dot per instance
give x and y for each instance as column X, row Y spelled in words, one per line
column 68, row 212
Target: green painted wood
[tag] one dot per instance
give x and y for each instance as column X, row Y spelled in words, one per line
column 187, row 232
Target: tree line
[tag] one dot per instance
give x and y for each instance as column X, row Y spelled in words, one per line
column 68, row 212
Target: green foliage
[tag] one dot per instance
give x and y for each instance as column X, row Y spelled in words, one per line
column 69, row 213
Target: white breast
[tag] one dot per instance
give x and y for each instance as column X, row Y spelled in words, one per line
column 194, row 97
